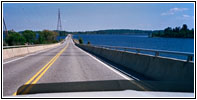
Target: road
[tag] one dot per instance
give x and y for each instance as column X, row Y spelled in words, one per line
column 65, row 63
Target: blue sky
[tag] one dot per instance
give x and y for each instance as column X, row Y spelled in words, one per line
column 97, row 16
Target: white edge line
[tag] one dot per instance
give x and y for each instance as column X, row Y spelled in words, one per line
column 29, row 55
column 26, row 56
column 126, row 77
column 114, row 70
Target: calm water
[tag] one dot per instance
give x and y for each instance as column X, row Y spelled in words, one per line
column 141, row 41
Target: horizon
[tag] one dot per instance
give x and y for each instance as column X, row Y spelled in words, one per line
column 89, row 30
column 79, row 17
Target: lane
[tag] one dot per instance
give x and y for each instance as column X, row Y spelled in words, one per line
column 65, row 63
column 71, row 65
column 16, row 73
column 9, row 60
column 75, row 65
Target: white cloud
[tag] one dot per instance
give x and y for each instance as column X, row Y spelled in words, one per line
column 178, row 9
column 186, row 16
column 167, row 13
column 172, row 11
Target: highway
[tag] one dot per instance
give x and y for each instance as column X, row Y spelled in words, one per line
column 65, row 63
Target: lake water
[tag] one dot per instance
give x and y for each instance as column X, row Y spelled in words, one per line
column 141, row 41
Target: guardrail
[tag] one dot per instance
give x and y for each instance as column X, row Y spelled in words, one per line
column 20, row 46
column 157, row 52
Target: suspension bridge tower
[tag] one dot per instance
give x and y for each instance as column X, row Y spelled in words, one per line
column 59, row 24
column 6, row 31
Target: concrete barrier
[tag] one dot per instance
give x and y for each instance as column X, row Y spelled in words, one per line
column 156, row 68
column 13, row 52
column 20, row 51
column 8, row 53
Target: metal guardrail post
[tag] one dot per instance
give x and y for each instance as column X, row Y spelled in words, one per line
column 138, row 51
column 189, row 58
column 156, row 53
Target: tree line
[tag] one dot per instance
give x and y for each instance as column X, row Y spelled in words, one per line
column 117, row 31
column 109, row 31
column 30, row 37
column 177, row 32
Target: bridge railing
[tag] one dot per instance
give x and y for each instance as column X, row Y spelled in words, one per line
column 156, row 52
column 20, row 46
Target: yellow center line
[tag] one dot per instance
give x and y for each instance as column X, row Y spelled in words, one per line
column 29, row 81
column 37, row 79
column 40, row 73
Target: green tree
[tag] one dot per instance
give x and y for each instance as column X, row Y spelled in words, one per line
column 30, row 36
column 4, row 43
column 167, row 32
column 191, row 33
column 176, row 29
column 14, row 38
column 88, row 43
column 184, row 27
column 178, row 32
column 80, row 40
column 184, row 31
column 47, row 36
column 41, row 39
column 175, row 32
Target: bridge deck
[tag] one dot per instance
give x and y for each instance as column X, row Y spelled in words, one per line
column 72, row 65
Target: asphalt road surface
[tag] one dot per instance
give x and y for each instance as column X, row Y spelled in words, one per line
column 65, row 63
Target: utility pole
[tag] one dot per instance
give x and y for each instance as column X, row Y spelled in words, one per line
column 59, row 25
column 6, row 31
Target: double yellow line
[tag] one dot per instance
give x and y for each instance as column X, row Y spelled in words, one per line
column 39, row 74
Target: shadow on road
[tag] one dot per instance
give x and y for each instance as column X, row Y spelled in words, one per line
column 109, row 85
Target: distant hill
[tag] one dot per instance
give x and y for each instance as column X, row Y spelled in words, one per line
column 109, row 31
column 177, row 32
column 116, row 31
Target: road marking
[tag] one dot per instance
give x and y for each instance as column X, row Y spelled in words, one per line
column 31, row 79
column 26, row 56
column 116, row 71
column 113, row 69
column 31, row 54
column 40, row 73
column 124, row 76
column 37, row 79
